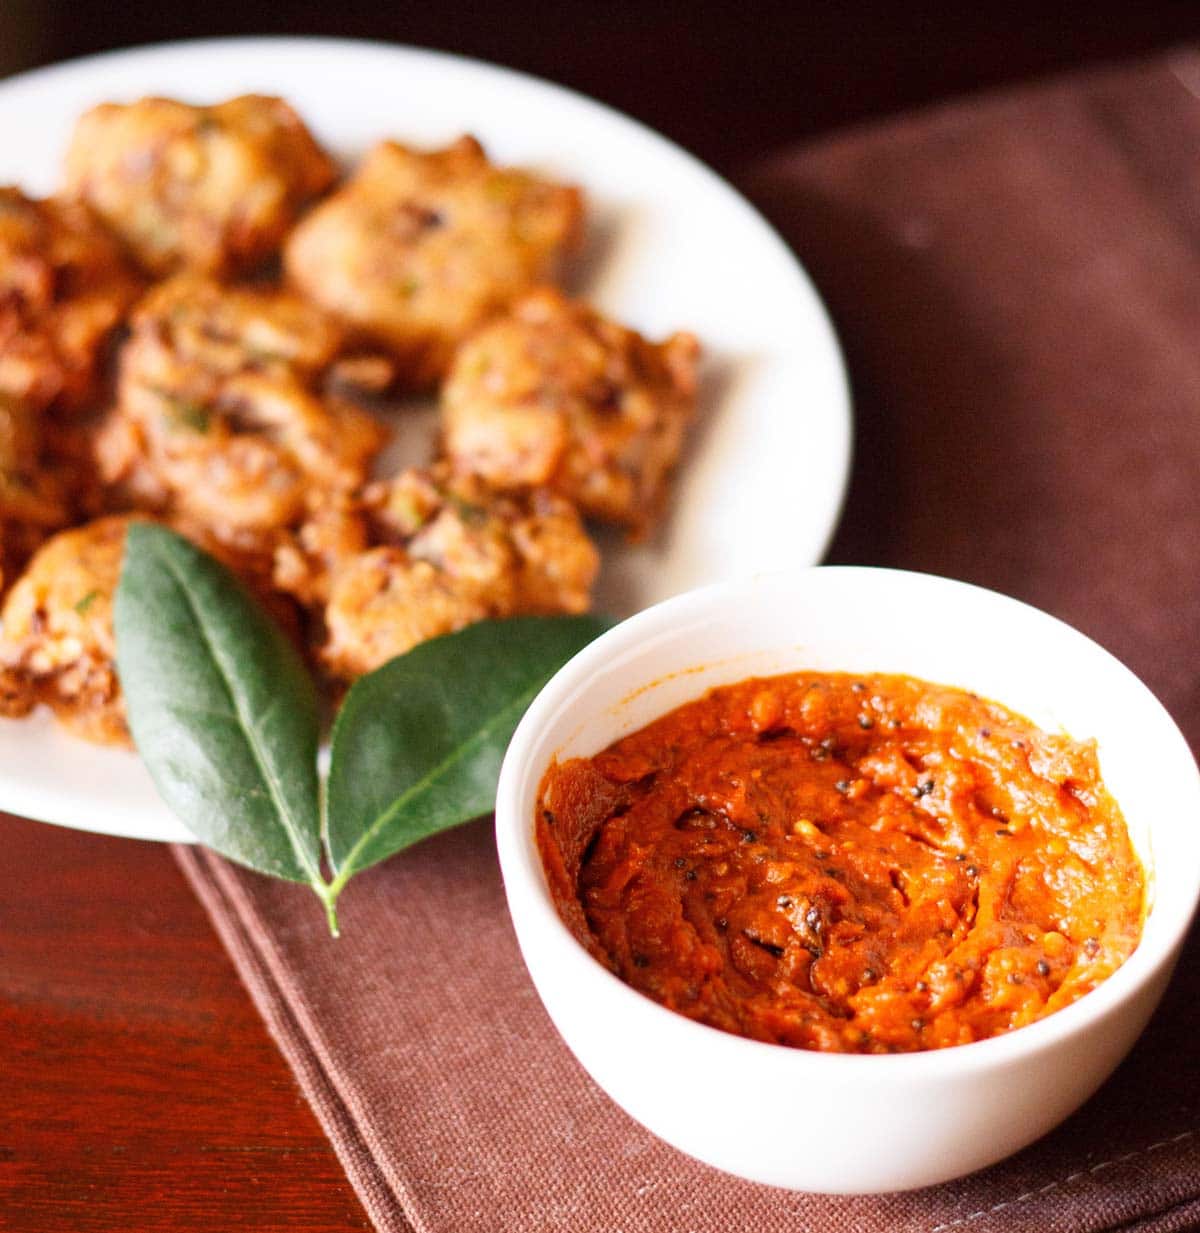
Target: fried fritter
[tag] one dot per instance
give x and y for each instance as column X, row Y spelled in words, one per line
column 553, row 393
column 419, row 247
column 332, row 535
column 34, row 497
column 57, row 645
column 226, row 415
column 213, row 189
column 56, row 632
column 64, row 287
column 447, row 551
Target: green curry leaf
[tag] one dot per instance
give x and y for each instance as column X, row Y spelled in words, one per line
column 418, row 743
column 220, row 706
column 225, row 716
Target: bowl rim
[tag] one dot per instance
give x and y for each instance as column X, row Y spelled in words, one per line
column 531, row 906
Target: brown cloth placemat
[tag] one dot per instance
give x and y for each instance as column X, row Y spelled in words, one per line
column 1017, row 283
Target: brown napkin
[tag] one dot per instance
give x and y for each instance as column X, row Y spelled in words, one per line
column 1017, row 282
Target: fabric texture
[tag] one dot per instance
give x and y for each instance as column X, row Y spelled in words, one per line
column 1016, row 281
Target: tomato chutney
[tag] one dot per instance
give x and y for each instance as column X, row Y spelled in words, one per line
column 868, row 864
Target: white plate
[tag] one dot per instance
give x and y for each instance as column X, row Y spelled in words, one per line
column 672, row 246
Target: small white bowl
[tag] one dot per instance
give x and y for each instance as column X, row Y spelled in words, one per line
column 832, row 1122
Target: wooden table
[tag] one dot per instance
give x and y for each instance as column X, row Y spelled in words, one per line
column 141, row 1090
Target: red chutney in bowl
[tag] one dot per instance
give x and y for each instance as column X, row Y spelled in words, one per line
column 852, row 864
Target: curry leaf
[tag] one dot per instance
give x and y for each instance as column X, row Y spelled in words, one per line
column 220, row 706
column 417, row 744
column 225, row 716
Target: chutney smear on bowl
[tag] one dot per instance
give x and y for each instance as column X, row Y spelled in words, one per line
column 867, row 864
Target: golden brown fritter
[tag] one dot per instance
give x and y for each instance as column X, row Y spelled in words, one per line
column 447, row 552
column 419, row 247
column 57, row 644
column 332, row 535
column 226, row 416
column 34, row 495
column 56, row 632
column 554, row 393
column 64, row 287
column 213, row 189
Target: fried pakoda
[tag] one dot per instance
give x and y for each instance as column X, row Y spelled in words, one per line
column 213, row 189
column 64, row 288
column 229, row 414
column 57, row 645
column 554, row 393
column 419, row 247
column 34, row 496
column 447, row 551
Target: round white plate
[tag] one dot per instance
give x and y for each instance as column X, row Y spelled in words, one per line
column 671, row 246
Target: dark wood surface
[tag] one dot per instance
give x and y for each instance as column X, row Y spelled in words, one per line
column 140, row 1089
column 728, row 80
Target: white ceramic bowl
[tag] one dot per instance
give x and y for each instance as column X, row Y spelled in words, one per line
column 831, row 1122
